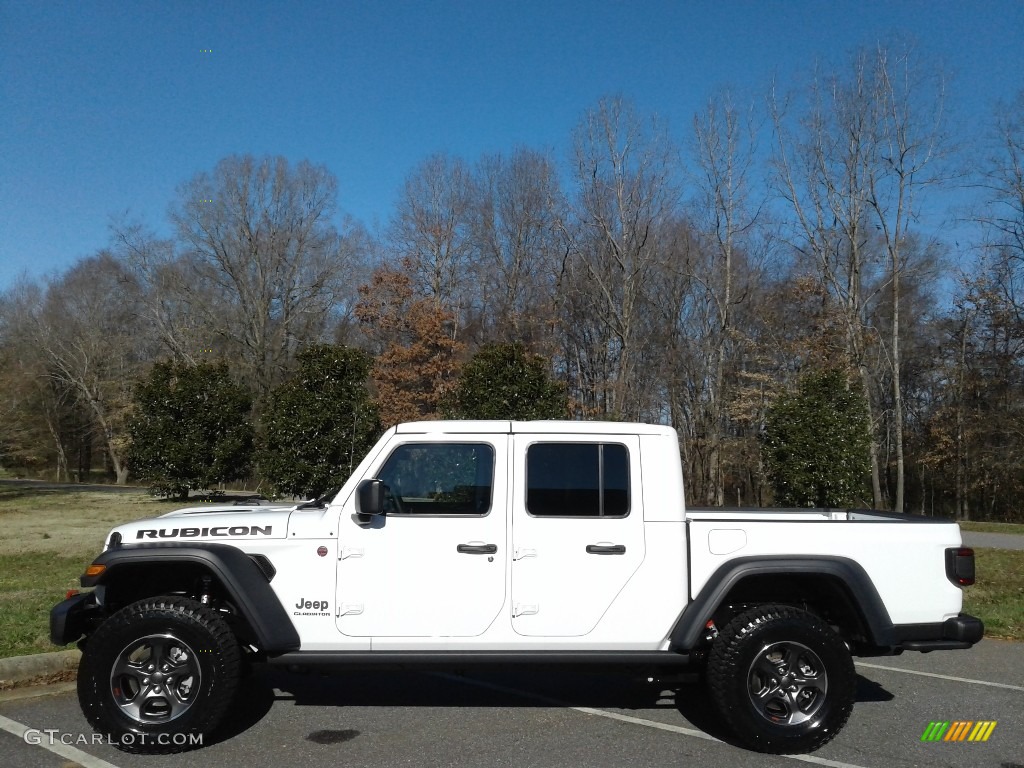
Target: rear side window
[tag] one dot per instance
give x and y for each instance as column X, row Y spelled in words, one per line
column 577, row 480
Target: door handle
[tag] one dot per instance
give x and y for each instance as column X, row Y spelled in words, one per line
column 606, row 549
column 477, row 549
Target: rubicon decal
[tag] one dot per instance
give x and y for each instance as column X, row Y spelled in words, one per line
column 201, row 533
column 958, row 730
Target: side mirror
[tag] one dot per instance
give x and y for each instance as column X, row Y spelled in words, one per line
column 370, row 499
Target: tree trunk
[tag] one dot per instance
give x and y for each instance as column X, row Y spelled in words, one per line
column 62, row 459
column 961, row 449
column 876, row 482
column 897, row 396
column 120, row 470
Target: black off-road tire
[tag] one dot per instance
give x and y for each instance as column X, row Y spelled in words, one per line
column 782, row 679
column 158, row 675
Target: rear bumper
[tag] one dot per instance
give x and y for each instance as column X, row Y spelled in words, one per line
column 70, row 619
column 955, row 633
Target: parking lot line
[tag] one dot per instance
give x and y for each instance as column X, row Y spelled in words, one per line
column 942, row 677
column 628, row 718
column 66, row 751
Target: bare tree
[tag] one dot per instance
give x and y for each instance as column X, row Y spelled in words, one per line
column 1002, row 178
column 260, row 236
column 624, row 169
column 430, row 232
column 976, row 427
column 727, row 214
column 908, row 147
column 31, row 404
column 822, row 173
column 83, row 327
column 515, row 209
column 674, row 313
column 173, row 300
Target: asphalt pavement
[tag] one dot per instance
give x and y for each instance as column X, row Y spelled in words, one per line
column 557, row 719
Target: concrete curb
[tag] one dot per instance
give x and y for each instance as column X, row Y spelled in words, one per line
column 18, row 670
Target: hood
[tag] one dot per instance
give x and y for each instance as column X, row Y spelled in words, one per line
column 208, row 523
column 226, row 510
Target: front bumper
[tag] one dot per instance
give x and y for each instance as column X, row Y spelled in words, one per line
column 70, row 619
column 955, row 633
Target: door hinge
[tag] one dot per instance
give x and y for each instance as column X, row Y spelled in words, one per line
column 347, row 552
column 519, row 553
column 522, row 609
column 350, row 609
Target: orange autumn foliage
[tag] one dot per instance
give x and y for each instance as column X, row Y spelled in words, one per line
column 416, row 354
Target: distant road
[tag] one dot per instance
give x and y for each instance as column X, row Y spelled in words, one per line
column 104, row 488
column 44, row 486
column 994, row 540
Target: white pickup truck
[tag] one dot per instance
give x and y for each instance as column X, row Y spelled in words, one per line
column 544, row 542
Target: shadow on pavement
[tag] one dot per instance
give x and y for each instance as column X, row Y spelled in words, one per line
column 869, row 690
column 684, row 694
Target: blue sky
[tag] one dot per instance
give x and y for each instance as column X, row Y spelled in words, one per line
column 106, row 107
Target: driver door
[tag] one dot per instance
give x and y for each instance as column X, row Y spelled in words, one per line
column 434, row 564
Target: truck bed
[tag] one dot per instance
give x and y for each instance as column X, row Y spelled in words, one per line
column 805, row 513
column 903, row 555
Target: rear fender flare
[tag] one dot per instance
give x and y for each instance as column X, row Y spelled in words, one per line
column 691, row 625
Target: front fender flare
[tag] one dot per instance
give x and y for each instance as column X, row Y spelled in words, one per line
column 246, row 585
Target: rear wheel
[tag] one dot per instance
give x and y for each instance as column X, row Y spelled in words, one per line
column 782, row 679
column 158, row 675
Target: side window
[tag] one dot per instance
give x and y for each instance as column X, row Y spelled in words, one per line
column 438, row 479
column 577, row 480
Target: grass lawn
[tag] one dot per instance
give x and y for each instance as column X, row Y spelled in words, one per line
column 30, row 585
column 997, row 597
column 49, row 537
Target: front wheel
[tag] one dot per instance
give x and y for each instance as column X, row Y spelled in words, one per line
column 782, row 679
column 158, row 675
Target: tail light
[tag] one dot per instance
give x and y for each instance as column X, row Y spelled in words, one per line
column 960, row 566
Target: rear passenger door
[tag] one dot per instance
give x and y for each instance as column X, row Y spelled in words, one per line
column 577, row 530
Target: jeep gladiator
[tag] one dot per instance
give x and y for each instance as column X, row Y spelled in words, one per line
column 496, row 542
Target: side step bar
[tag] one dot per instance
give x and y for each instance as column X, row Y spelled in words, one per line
column 328, row 659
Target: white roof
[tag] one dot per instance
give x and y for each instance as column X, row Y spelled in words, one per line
column 534, row 427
